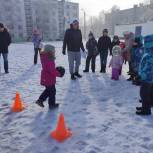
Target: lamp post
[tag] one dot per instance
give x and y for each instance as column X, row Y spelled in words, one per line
column 85, row 28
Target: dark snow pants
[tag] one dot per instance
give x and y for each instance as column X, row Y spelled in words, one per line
column 91, row 58
column 146, row 95
column 50, row 93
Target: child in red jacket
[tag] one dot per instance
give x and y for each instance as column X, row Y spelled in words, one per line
column 48, row 77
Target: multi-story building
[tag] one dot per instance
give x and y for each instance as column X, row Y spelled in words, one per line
column 137, row 14
column 12, row 14
column 68, row 11
column 51, row 17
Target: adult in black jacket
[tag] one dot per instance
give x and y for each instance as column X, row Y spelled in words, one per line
column 116, row 41
column 104, row 44
column 91, row 46
column 5, row 41
column 73, row 42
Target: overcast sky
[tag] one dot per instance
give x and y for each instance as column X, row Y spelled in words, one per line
column 93, row 7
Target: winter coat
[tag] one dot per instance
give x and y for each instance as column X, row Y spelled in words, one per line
column 5, row 41
column 104, row 43
column 36, row 39
column 49, row 72
column 91, row 46
column 136, row 54
column 73, row 40
column 146, row 65
column 128, row 46
column 114, row 44
column 116, row 62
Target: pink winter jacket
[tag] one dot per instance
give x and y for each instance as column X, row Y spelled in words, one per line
column 116, row 62
column 49, row 72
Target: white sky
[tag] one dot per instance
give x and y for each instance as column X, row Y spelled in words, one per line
column 93, row 7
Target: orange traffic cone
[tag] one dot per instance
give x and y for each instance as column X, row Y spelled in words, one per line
column 61, row 133
column 17, row 105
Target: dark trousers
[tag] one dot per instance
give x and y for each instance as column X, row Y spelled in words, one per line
column 36, row 55
column 146, row 95
column 91, row 58
column 50, row 93
column 5, row 58
column 103, row 59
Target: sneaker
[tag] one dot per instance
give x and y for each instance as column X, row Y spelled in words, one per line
column 53, row 106
column 77, row 75
column 139, row 108
column 86, row 71
column 73, row 77
column 40, row 103
column 142, row 112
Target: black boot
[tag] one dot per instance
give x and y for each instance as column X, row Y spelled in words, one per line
column 73, row 77
column 53, row 106
column 143, row 112
column 40, row 103
column 138, row 108
column 86, row 71
column 77, row 75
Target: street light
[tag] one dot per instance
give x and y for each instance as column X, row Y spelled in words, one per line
column 85, row 29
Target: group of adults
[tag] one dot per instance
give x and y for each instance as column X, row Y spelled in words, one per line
column 73, row 42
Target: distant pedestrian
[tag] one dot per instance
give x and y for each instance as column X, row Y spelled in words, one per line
column 5, row 41
column 104, row 44
column 73, row 42
column 36, row 39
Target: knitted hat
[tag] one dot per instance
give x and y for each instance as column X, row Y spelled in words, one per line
column 75, row 22
column 105, row 30
column 116, row 50
column 49, row 48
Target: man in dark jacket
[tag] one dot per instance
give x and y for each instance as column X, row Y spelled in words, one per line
column 73, row 42
column 5, row 41
column 104, row 44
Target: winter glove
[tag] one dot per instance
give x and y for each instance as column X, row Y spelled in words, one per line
column 63, row 52
column 61, row 70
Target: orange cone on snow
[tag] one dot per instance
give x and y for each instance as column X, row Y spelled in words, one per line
column 61, row 133
column 17, row 105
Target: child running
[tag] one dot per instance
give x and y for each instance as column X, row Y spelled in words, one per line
column 48, row 77
column 116, row 62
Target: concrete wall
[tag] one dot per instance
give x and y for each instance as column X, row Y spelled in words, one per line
column 147, row 28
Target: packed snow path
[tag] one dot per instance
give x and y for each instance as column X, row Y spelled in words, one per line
column 99, row 111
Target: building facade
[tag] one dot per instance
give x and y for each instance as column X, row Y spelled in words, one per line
column 12, row 14
column 51, row 17
column 138, row 14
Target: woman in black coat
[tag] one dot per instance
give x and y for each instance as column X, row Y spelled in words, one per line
column 91, row 46
column 5, row 41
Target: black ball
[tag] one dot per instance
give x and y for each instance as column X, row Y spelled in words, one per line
column 61, row 70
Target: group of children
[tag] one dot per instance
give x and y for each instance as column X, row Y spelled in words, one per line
column 137, row 51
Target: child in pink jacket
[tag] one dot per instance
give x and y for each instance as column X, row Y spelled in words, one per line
column 48, row 77
column 116, row 62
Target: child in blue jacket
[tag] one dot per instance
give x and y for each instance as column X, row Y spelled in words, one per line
column 146, row 75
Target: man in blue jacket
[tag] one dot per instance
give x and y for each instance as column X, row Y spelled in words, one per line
column 146, row 75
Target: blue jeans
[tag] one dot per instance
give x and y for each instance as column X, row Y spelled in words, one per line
column 103, row 59
column 5, row 58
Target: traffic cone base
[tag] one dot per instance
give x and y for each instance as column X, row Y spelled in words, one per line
column 61, row 133
column 59, row 137
column 17, row 105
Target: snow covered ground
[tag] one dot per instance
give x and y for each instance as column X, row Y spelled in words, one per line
column 99, row 111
